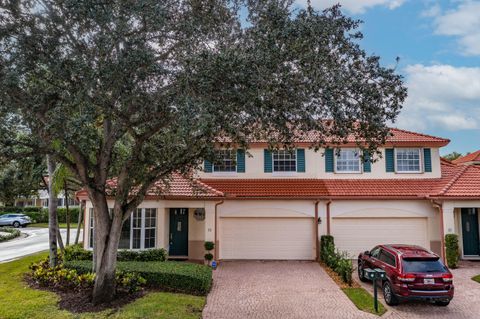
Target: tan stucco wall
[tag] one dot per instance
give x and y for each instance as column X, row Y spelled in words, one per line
column 199, row 231
column 315, row 168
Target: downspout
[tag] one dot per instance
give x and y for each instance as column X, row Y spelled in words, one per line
column 215, row 252
column 315, row 223
column 328, row 216
column 442, row 230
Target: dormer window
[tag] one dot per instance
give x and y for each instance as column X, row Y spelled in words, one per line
column 407, row 160
column 284, row 161
column 225, row 161
column 348, row 161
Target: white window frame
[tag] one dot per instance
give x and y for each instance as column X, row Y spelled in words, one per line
column 294, row 153
column 360, row 166
column 234, row 158
column 142, row 229
column 420, row 160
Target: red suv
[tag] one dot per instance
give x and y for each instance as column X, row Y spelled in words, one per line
column 412, row 273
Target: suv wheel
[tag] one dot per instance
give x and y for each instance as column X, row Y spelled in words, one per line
column 361, row 275
column 16, row 224
column 389, row 295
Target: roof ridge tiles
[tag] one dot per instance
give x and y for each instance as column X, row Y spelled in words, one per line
column 453, row 180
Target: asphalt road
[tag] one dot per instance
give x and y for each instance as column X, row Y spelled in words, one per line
column 36, row 240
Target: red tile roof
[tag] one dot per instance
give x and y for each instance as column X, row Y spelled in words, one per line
column 456, row 182
column 472, row 157
column 398, row 137
column 178, row 187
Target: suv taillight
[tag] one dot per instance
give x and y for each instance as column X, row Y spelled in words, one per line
column 447, row 277
column 406, row 278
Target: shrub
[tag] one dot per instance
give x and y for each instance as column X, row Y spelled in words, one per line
column 452, row 250
column 11, row 233
column 327, row 247
column 68, row 278
column 344, row 268
column 208, row 257
column 76, row 252
column 170, row 275
column 40, row 215
column 209, row 245
column 336, row 260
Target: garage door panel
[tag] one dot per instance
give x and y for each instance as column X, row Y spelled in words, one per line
column 266, row 238
column 356, row 235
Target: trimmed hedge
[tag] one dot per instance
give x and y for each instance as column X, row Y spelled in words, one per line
column 169, row 275
column 452, row 250
column 11, row 233
column 40, row 215
column 77, row 252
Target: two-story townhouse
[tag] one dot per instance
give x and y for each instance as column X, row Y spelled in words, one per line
column 263, row 204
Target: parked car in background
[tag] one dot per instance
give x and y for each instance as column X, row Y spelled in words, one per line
column 412, row 273
column 15, row 220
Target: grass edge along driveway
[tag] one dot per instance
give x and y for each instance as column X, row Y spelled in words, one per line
column 17, row 300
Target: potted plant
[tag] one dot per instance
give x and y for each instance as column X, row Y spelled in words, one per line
column 209, row 246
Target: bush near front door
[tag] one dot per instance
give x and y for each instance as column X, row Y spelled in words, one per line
column 452, row 250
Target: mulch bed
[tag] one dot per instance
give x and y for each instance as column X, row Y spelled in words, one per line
column 80, row 300
column 337, row 278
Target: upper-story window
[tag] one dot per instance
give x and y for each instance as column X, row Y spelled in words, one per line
column 348, row 161
column 284, row 161
column 225, row 161
column 407, row 160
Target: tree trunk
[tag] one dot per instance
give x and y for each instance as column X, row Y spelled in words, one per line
column 107, row 233
column 52, row 215
column 80, row 221
column 67, row 212
column 60, row 239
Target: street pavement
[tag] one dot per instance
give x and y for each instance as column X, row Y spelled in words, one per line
column 36, row 240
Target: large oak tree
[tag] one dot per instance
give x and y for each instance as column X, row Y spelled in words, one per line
column 139, row 89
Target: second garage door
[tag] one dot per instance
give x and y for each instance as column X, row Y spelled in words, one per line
column 266, row 238
column 356, row 235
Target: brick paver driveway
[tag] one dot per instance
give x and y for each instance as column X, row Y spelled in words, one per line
column 465, row 304
column 277, row 289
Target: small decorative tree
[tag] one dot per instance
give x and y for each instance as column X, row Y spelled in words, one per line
column 209, row 246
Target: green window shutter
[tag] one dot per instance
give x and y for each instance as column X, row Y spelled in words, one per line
column 427, row 160
column 300, row 160
column 329, row 160
column 389, row 160
column 240, row 161
column 367, row 164
column 267, row 161
column 207, row 166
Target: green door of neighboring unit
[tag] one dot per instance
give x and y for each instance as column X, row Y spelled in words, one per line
column 178, row 232
column 471, row 245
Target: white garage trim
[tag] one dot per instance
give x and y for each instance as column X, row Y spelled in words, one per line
column 267, row 238
column 355, row 235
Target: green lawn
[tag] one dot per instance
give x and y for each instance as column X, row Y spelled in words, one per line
column 476, row 278
column 17, row 300
column 363, row 300
column 62, row 225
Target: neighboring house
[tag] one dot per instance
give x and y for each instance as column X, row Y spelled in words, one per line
column 41, row 200
column 276, row 204
column 470, row 159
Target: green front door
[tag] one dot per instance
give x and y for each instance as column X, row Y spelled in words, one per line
column 471, row 244
column 178, row 232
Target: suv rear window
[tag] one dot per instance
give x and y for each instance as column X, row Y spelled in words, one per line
column 422, row 265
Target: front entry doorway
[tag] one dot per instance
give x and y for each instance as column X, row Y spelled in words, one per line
column 471, row 243
column 178, row 239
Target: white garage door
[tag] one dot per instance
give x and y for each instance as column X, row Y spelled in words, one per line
column 266, row 238
column 355, row 235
